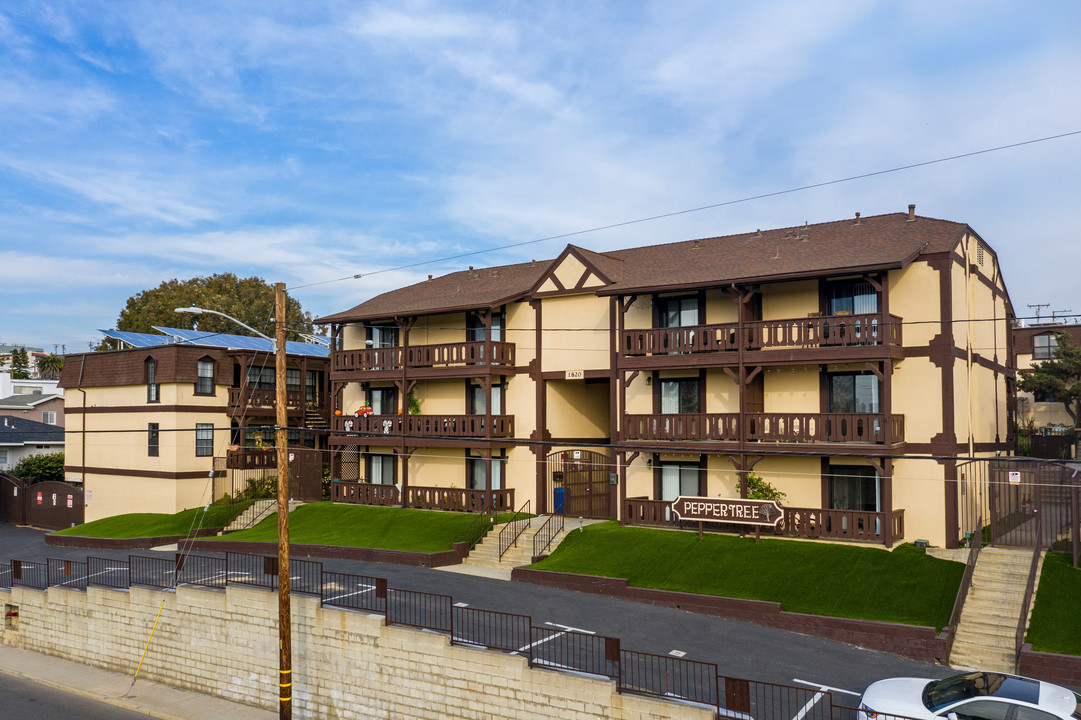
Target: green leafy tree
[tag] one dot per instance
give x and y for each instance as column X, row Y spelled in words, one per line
column 50, row 366
column 1058, row 377
column 759, row 489
column 249, row 300
column 20, row 364
column 40, row 467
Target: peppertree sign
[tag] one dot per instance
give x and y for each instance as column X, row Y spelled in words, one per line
column 728, row 510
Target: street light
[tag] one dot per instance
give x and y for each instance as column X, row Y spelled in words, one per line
column 285, row 672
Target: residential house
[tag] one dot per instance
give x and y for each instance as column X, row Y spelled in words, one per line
column 146, row 423
column 847, row 363
column 46, row 408
column 21, row 437
column 1031, row 346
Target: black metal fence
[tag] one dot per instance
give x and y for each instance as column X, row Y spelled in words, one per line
column 550, row 647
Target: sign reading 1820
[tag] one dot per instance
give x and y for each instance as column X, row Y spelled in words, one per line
column 728, row 510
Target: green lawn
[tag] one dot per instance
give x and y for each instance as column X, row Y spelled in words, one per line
column 1054, row 626
column 134, row 525
column 367, row 526
column 904, row 586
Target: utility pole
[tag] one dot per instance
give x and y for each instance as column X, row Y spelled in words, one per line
column 281, row 441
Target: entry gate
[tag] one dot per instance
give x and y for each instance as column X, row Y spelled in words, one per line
column 1001, row 499
column 580, row 484
column 12, row 496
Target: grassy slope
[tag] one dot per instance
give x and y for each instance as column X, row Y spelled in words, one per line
column 1054, row 626
column 135, row 525
column 905, row 586
column 366, row 526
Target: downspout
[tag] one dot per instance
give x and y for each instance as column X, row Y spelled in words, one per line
column 82, row 460
column 968, row 336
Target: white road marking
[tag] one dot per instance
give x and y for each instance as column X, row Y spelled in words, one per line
column 825, row 687
column 568, row 628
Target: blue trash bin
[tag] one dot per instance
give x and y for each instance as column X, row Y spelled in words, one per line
column 557, row 501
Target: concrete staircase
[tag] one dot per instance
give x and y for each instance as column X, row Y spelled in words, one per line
column 988, row 625
column 254, row 514
column 486, row 553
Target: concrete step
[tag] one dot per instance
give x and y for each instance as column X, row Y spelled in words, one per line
column 989, row 639
column 989, row 614
column 984, row 657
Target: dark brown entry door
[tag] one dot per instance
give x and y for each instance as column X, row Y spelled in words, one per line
column 12, row 505
column 579, row 484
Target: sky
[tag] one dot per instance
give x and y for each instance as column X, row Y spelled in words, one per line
column 309, row 142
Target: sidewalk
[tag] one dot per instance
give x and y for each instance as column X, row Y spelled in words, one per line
column 150, row 698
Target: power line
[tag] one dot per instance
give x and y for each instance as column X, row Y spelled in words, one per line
column 725, row 203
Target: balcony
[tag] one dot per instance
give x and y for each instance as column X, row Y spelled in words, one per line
column 445, row 355
column 865, row 428
column 838, row 331
column 248, row 399
column 427, row 426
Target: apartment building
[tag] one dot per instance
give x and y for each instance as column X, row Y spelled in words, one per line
column 846, row 363
column 1033, row 345
column 146, row 423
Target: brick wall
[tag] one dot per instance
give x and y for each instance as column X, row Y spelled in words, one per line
column 345, row 664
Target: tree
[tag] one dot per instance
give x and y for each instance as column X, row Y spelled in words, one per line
column 1059, row 377
column 50, row 366
column 250, row 300
column 20, row 364
column 40, row 467
column 759, row 489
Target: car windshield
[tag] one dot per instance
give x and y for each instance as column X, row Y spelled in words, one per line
column 940, row 693
column 1077, row 707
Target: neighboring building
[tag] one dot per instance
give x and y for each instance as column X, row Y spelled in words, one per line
column 48, row 409
column 20, row 437
column 1031, row 346
column 34, row 386
column 842, row 362
column 146, row 423
column 32, row 356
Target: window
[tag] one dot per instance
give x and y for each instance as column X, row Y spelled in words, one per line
column 292, row 379
column 261, row 378
column 475, row 467
column 677, row 312
column 476, row 400
column 151, row 439
column 204, row 440
column 679, row 480
column 852, row 297
column 1044, row 346
column 1043, row 396
column 152, row 389
column 381, row 469
column 384, row 401
column 48, row 417
column 853, row 393
column 204, row 384
column 3, row 457
column 680, row 396
column 475, row 330
column 311, row 388
column 383, row 336
column 259, row 436
column 854, row 487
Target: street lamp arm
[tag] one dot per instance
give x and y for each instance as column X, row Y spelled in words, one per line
column 199, row 311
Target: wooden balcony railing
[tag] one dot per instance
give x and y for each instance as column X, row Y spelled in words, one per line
column 697, row 426
column 852, row 525
column 249, row 398
column 454, row 426
column 251, row 459
column 422, row 356
column 765, row 427
column 811, row 332
column 459, row 499
column 822, row 427
column 365, row 493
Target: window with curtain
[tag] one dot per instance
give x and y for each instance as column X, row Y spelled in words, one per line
column 852, row 297
column 853, row 393
column 679, row 480
column 383, row 401
column 677, row 312
column 475, row 331
column 475, row 470
column 854, row 487
column 292, row 379
column 381, row 469
column 680, row 396
column 476, row 400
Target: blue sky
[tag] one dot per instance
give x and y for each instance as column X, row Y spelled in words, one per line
column 305, row 142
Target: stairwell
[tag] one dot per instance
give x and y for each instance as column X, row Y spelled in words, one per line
column 486, row 553
column 986, row 632
column 255, row 513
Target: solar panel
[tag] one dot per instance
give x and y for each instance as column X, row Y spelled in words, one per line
column 137, row 339
column 241, row 342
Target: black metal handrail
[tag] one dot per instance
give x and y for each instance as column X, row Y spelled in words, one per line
column 1030, row 587
column 508, row 536
column 478, row 529
column 975, row 543
column 547, row 533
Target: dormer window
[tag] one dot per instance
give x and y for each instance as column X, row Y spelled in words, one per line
column 204, row 383
column 153, row 390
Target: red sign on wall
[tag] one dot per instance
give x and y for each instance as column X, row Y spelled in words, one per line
column 39, row 498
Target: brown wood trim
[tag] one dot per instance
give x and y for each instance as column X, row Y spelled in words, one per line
column 125, row 472
column 152, row 408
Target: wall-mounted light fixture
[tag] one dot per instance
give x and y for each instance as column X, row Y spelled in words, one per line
column 649, row 379
column 649, row 463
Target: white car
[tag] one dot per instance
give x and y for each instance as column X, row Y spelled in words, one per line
column 972, row 696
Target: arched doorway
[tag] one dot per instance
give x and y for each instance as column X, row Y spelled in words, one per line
column 580, row 484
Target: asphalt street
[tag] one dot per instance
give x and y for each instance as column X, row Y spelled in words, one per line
column 23, row 699
column 739, row 649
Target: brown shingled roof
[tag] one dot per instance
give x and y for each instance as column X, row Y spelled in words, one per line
column 831, row 248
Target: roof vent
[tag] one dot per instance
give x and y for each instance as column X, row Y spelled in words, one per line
column 758, row 233
column 471, row 267
column 697, row 245
column 911, row 213
column 429, row 277
column 857, row 219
